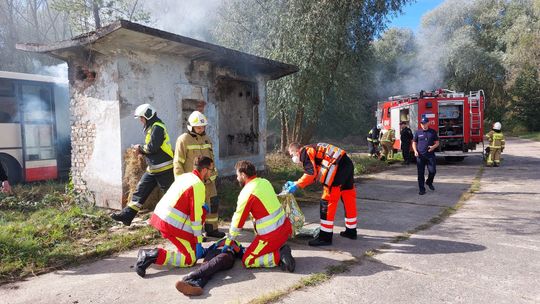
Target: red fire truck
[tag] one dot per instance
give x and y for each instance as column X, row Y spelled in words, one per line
column 458, row 118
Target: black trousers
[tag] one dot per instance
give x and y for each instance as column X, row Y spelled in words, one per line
column 421, row 162
column 214, row 261
column 148, row 182
column 406, row 151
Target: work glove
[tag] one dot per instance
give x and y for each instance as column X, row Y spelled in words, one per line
column 200, row 251
column 206, row 207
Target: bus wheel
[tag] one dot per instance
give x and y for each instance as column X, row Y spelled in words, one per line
column 454, row 159
column 12, row 167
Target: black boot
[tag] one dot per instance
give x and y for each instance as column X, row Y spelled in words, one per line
column 190, row 287
column 125, row 216
column 323, row 239
column 214, row 233
column 349, row 233
column 145, row 258
column 286, row 260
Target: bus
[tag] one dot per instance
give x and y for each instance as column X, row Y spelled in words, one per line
column 35, row 142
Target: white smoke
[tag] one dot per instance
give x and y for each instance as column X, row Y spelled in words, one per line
column 59, row 71
column 191, row 18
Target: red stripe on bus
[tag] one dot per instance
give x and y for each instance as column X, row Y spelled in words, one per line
column 43, row 173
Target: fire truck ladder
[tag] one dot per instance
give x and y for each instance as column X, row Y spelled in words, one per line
column 475, row 112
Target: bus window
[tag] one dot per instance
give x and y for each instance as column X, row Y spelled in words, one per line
column 9, row 108
column 38, row 122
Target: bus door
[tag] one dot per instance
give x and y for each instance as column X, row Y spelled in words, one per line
column 38, row 132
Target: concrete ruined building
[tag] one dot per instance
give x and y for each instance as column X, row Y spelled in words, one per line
column 120, row 66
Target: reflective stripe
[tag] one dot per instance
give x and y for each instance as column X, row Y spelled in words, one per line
column 270, row 222
column 350, row 226
column 199, row 147
column 350, row 219
column 165, row 145
column 326, row 229
column 233, row 233
column 135, row 205
column 175, row 218
column 159, row 166
column 327, row 222
column 181, row 160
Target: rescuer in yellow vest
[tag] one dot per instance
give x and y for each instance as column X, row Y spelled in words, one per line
column 158, row 153
column 190, row 145
column 496, row 145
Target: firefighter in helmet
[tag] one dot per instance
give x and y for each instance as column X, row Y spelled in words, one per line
column 158, row 153
column 496, row 145
column 387, row 142
column 189, row 145
column 332, row 167
column 373, row 141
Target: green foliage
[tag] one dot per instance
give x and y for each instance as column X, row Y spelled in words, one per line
column 43, row 227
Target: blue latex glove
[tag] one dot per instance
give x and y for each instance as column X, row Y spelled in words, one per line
column 226, row 248
column 292, row 187
column 200, row 251
column 206, row 207
column 288, row 185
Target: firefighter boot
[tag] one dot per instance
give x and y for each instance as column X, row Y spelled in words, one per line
column 214, row 233
column 286, row 260
column 323, row 239
column 349, row 233
column 190, row 287
column 145, row 258
column 125, row 216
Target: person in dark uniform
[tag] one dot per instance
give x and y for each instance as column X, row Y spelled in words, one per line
column 425, row 142
column 406, row 137
column 373, row 141
column 158, row 153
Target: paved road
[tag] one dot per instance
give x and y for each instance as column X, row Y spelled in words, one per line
column 488, row 252
column 457, row 261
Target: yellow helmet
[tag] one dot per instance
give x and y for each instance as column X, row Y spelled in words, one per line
column 196, row 119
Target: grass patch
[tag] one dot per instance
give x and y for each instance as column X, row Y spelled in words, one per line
column 44, row 227
column 367, row 165
column 531, row 135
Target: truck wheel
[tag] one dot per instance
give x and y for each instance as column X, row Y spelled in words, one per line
column 454, row 159
column 12, row 167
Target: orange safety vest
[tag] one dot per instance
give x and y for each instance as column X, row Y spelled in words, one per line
column 180, row 213
column 324, row 158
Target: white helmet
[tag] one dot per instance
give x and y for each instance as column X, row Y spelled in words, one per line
column 379, row 126
column 196, row 119
column 497, row 126
column 145, row 110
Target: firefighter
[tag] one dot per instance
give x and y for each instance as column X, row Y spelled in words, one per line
column 273, row 228
column 425, row 142
column 189, row 145
column 332, row 167
column 373, row 141
column 214, row 261
column 406, row 137
column 4, row 183
column 179, row 216
column 387, row 142
column 496, row 145
column 158, row 153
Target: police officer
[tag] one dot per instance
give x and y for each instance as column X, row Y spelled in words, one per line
column 425, row 142
column 406, row 137
column 159, row 156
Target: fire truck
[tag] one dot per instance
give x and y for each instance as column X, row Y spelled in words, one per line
column 457, row 118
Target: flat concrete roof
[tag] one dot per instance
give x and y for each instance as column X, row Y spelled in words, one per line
column 124, row 34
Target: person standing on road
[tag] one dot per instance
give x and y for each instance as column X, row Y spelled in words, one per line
column 158, row 153
column 5, row 186
column 406, row 137
column 425, row 142
column 387, row 142
column 496, row 145
column 373, row 141
column 333, row 168
column 190, row 145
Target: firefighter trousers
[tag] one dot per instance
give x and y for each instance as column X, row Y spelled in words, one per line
column 147, row 183
column 421, row 163
column 211, row 223
column 184, row 257
column 264, row 250
column 342, row 187
column 494, row 156
column 387, row 149
column 373, row 148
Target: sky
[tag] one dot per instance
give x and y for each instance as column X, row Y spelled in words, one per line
column 412, row 14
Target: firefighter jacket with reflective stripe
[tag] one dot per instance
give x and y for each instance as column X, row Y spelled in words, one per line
column 389, row 136
column 320, row 163
column 188, row 146
column 259, row 199
column 157, row 147
column 373, row 135
column 496, row 139
column 179, row 213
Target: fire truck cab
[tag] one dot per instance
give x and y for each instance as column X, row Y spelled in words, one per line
column 457, row 118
